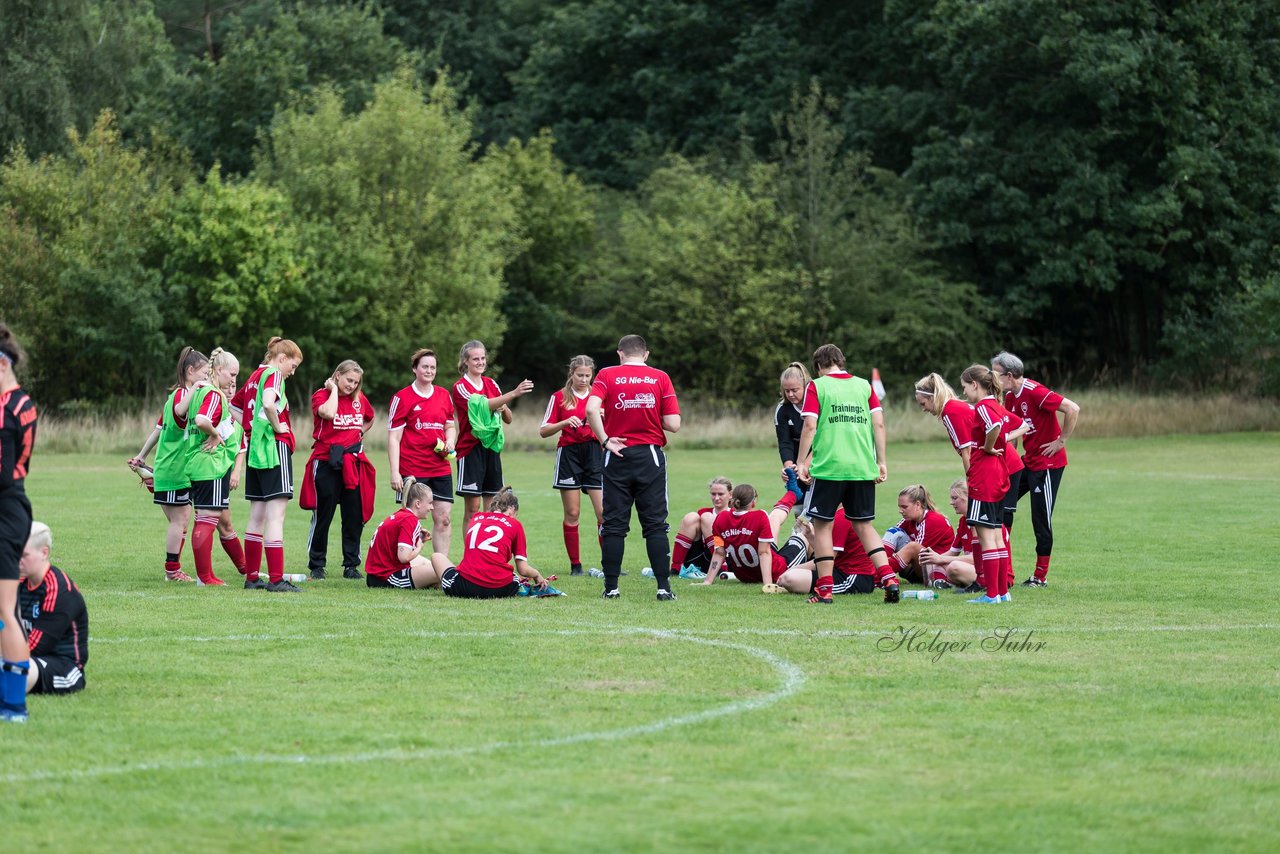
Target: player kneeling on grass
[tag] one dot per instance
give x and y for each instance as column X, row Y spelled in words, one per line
column 745, row 540
column 493, row 547
column 54, row 616
column 920, row 527
column 395, row 554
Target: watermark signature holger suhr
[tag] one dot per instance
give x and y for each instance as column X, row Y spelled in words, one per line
column 934, row 645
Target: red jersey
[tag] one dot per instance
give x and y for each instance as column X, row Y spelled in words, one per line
column 275, row 382
column 742, row 532
column 988, row 479
column 181, row 421
column 633, row 400
column 491, row 544
column 559, row 410
column 964, row 537
column 851, row 555
column 931, row 532
column 957, row 418
column 1012, row 462
column 401, row 528
column 462, row 391
column 423, row 421
column 347, row 427
column 1038, row 406
column 245, row 397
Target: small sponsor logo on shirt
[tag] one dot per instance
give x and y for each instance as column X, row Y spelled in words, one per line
column 644, row 400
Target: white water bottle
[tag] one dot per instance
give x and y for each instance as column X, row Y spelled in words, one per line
column 920, row 594
column 294, row 577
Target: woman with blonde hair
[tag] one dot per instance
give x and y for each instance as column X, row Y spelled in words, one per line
column 579, row 457
column 788, row 423
column 921, row 527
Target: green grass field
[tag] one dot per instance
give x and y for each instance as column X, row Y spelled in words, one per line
column 351, row 719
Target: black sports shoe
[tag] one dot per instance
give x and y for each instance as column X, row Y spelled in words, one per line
column 351, row 572
column 317, row 574
column 666, row 596
column 575, row 569
column 282, row 586
column 611, row 594
column 941, row 584
column 975, row 587
column 819, row 599
column 1036, row 582
column 257, row 584
column 892, row 594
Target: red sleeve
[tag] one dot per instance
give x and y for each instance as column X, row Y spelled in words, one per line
column 1047, row 400
column 873, row 402
column 670, row 405
column 521, row 551
column 317, row 400
column 237, row 399
column 763, row 530
column 397, row 412
column 366, row 407
column 211, row 407
column 410, row 533
column 551, row 410
column 275, row 382
column 809, row 409
column 599, row 389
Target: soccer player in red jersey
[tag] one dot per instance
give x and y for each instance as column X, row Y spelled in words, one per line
column 493, row 549
column 953, row 568
column 172, row 486
column 268, row 483
column 1045, row 450
column 215, row 460
column 579, row 458
column 631, row 409
column 17, row 439
column 395, row 556
column 336, row 470
column 745, row 543
column 479, row 468
column 422, row 432
column 920, row 527
column 691, row 555
column 988, row 482
column 55, row 618
column 935, row 396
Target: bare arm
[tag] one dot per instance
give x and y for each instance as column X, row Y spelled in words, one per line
column 497, row 403
column 1070, row 414
column 526, row 570
column 807, row 433
column 393, row 457
column 713, row 571
column 595, row 417
column 146, row 448
column 329, row 408
column 989, row 446
column 671, row 423
column 269, row 398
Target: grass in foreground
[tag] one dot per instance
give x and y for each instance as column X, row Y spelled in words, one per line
column 378, row 720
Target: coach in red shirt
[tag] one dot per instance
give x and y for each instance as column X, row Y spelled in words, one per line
column 631, row 409
column 1044, row 450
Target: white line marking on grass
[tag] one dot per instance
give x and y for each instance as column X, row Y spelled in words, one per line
column 792, row 679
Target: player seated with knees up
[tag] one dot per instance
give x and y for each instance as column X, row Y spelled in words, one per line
column 954, row 566
column 691, row 555
column 395, row 554
column 54, row 616
column 745, row 540
column 920, row 527
column 493, row 548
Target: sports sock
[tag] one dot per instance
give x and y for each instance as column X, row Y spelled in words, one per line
column 825, row 582
column 656, row 548
column 1007, row 575
column 231, row 545
column 979, row 571
column 202, row 546
column 13, row 684
column 171, row 562
column 612, row 549
column 788, row 500
column 252, row 555
column 884, row 571
column 274, row 551
column 679, row 552
column 1042, row 566
column 937, row 575
column 571, row 542
column 992, row 570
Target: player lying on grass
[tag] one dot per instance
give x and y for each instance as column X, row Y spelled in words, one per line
column 493, row 547
column 745, row 541
column 691, row 555
column 920, row 527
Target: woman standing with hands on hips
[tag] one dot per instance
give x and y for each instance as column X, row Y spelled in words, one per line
column 479, row 467
column 338, row 473
column 214, row 459
column 17, row 439
column 422, row 431
column 579, row 457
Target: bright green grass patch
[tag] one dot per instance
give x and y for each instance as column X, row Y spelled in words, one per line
column 350, row 719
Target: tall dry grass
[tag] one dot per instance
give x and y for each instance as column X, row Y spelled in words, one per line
column 1105, row 414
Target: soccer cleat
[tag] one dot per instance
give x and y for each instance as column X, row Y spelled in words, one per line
column 176, row 575
column 892, row 594
column 819, row 599
column 575, row 569
column 984, row 599
column 351, row 572
column 595, row 573
column 647, row 572
column 1033, row 581
column 255, row 583
column 214, row 581
column 318, row 574
column 282, row 586
column 12, row 715
column 974, row 587
column 692, row 572
column 1005, row 597
column 545, row 592
column 941, row 584
column 666, row 596
column 611, row 594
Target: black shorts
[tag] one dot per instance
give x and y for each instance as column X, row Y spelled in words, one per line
column 441, row 488
column 212, row 494
column 479, row 472
column 852, row 583
column 858, row 497
column 453, row 583
column 15, row 530
column 579, row 466
column 795, row 551
column 269, row 484
column 57, row 675
column 401, row 579
column 698, row 556
column 172, row 497
column 985, row 514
